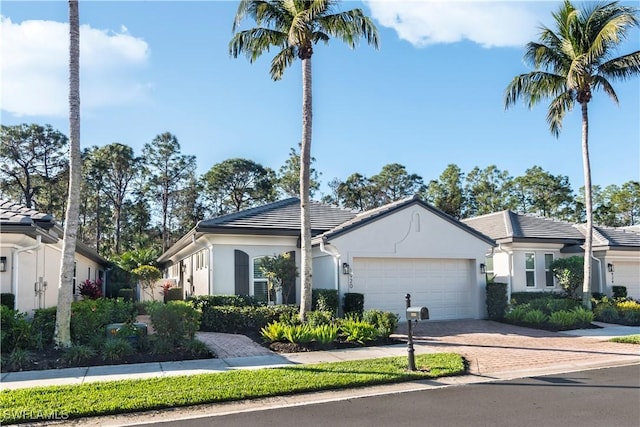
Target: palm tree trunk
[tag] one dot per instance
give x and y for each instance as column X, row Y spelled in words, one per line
column 305, row 217
column 588, row 242
column 62, row 336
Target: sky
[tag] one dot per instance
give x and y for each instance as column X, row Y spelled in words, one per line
column 430, row 96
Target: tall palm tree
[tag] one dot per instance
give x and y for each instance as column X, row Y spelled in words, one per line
column 65, row 287
column 571, row 62
column 294, row 27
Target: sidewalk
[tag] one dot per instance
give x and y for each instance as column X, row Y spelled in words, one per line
column 493, row 350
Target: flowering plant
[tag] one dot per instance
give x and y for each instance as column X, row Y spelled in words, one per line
column 91, row 290
column 165, row 288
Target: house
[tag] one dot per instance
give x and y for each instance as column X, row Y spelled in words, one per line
column 404, row 247
column 526, row 246
column 30, row 257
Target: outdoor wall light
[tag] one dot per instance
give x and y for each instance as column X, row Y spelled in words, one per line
column 610, row 268
column 483, row 269
column 345, row 268
column 3, row 263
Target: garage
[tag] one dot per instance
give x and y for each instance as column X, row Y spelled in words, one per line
column 627, row 274
column 444, row 286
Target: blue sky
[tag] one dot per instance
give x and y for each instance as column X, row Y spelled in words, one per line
column 432, row 95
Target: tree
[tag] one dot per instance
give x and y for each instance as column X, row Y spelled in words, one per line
column 239, row 184
column 394, row 183
column 167, row 170
column 357, row 193
column 446, row 193
column 543, row 194
column 570, row 62
column 486, row 191
column 148, row 275
column 295, row 27
column 62, row 335
column 36, row 163
column 289, row 176
column 568, row 272
column 281, row 272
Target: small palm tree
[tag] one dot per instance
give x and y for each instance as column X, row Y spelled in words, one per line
column 570, row 63
column 294, row 27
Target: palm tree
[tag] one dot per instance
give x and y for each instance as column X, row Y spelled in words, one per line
column 294, row 27
column 65, row 288
column 570, row 63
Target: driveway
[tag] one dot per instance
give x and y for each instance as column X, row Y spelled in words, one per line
column 492, row 347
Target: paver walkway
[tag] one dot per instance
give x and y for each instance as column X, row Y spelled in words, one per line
column 232, row 345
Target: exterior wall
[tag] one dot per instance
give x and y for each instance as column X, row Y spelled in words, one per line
column 626, row 272
column 324, row 271
column 33, row 275
column 414, row 233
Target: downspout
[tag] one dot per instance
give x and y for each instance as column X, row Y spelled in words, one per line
column 336, row 262
column 14, row 281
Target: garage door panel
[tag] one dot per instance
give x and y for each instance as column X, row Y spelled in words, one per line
column 443, row 286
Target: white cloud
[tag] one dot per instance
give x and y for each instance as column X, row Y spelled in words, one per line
column 487, row 23
column 34, row 67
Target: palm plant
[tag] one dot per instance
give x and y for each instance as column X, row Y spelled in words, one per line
column 65, row 289
column 294, row 27
column 570, row 62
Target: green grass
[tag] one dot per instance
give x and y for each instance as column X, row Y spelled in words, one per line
column 104, row 398
column 629, row 339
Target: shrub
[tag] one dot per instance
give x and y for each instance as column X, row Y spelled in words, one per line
column 354, row 330
column 116, row 349
column 196, row 348
column 91, row 290
column 43, row 326
column 88, row 318
column 175, row 294
column 522, row 298
column 563, row 319
column 204, row 302
column 584, row 317
column 175, row 321
column 535, row 317
column 606, row 312
column 619, row 291
column 78, row 353
column 384, row 321
column 561, row 304
column 632, row 318
column 496, row 300
column 19, row 359
column 517, row 313
column 8, row 300
column 629, row 312
column 318, row 317
column 247, row 319
column 353, row 303
column 126, row 294
column 569, row 273
column 299, row 334
column 15, row 330
column 325, row 334
column 324, row 300
column 160, row 345
column 273, row 332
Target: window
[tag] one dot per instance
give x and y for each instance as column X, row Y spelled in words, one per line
column 548, row 259
column 259, row 281
column 530, row 269
column 488, row 262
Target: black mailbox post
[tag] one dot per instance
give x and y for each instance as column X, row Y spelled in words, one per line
column 413, row 314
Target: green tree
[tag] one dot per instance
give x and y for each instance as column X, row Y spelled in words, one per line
column 626, row 203
column 295, row 27
column 357, row 192
column 486, row 191
column 447, row 193
column 167, row 170
column 570, row 62
column 281, row 272
column 238, row 184
column 394, row 183
column 540, row 193
column 148, row 275
column 568, row 272
column 62, row 335
column 289, row 176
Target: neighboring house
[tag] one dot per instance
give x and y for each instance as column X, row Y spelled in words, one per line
column 527, row 245
column 30, row 256
column 404, row 247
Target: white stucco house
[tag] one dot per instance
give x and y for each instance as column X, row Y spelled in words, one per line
column 404, row 247
column 526, row 245
column 30, row 257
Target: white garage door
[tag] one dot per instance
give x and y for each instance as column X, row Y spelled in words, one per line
column 627, row 274
column 441, row 285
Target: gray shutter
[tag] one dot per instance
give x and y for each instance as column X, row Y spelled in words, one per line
column 241, row 273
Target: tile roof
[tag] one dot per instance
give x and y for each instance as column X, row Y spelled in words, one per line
column 510, row 226
column 281, row 216
column 15, row 214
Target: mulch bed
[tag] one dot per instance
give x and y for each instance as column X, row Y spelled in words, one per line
column 289, row 347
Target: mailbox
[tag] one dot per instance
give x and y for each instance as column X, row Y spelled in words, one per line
column 417, row 313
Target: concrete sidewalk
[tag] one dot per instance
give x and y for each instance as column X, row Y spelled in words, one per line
column 493, row 350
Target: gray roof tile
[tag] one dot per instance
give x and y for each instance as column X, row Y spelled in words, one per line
column 15, row 214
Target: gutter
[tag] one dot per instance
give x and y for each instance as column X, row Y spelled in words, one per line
column 14, row 280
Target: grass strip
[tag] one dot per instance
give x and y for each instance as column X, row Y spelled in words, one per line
column 117, row 397
column 629, row 339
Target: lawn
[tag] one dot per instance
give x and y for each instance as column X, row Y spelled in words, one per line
column 629, row 339
column 105, row 398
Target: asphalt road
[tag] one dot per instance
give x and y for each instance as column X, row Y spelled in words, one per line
column 595, row 398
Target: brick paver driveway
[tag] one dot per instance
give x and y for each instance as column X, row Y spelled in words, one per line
column 493, row 347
